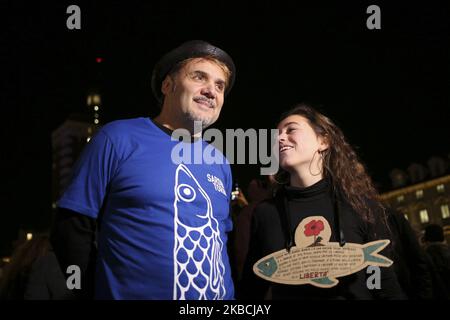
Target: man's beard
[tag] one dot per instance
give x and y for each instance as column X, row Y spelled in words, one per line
column 204, row 119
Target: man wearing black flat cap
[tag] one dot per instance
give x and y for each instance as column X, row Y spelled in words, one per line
column 190, row 82
column 162, row 224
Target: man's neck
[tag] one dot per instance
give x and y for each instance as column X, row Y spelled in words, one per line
column 160, row 119
column 172, row 125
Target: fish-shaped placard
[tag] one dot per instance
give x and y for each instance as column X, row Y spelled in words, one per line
column 316, row 261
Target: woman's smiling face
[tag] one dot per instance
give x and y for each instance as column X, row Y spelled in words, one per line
column 298, row 143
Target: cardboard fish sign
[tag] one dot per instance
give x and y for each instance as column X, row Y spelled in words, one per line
column 316, row 261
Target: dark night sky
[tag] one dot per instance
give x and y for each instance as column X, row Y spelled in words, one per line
column 387, row 89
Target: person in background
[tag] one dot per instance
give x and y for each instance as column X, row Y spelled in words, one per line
column 438, row 253
column 259, row 189
column 34, row 273
column 411, row 264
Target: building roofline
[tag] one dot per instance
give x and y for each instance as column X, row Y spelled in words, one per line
column 415, row 187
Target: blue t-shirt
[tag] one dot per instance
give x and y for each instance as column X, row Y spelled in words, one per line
column 163, row 224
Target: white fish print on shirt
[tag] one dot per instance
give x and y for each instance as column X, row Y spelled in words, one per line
column 198, row 266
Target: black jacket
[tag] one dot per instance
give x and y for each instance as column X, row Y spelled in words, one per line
column 73, row 240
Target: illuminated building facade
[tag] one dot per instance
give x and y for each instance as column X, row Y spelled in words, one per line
column 424, row 201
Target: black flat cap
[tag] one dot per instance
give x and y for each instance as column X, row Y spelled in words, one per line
column 189, row 49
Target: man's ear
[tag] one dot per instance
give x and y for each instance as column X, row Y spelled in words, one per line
column 167, row 85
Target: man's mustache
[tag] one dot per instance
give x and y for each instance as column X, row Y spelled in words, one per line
column 205, row 99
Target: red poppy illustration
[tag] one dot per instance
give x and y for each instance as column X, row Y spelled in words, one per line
column 313, row 228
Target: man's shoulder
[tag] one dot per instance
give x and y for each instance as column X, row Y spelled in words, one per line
column 217, row 152
column 124, row 126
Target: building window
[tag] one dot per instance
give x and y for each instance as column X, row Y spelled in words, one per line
column 440, row 188
column 419, row 194
column 94, row 100
column 424, row 216
column 400, row 198
column 445, row 211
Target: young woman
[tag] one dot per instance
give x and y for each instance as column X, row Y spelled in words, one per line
column 325, row 199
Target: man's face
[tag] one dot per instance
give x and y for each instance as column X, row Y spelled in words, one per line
column 196, row 92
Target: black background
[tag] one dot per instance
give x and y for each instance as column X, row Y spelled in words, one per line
column 387, row 89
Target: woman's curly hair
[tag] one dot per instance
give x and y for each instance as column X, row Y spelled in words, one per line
column 341, row 164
